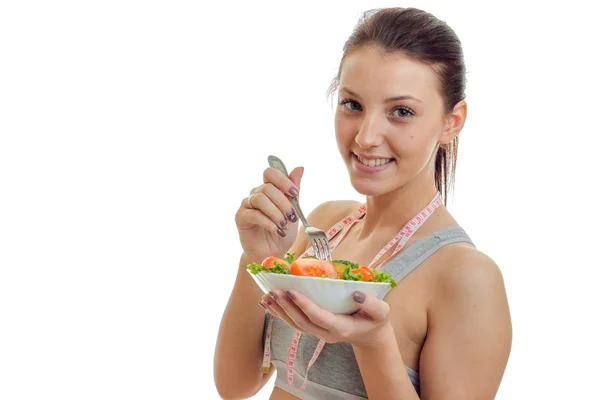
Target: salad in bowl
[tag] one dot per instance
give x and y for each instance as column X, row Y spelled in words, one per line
column 329, row 284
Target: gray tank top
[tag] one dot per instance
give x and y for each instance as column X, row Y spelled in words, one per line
column 335, row 375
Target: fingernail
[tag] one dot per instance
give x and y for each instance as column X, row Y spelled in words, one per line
column 280, row 232
column 268, row 302
column 283, row 222
column 274, row 296
column 294, row 192
column 290, row 295
column 291, row 216
column 359, row 297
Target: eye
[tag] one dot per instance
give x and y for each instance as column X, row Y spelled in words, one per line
column 351, row 105
column 403, row 112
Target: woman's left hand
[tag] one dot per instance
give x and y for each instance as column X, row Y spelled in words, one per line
column 360, row 328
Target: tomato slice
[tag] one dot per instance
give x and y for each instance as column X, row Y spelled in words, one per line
column 313, row 267
column 366, row 273
column 269, row 262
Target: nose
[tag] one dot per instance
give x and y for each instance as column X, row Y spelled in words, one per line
column 370, row 133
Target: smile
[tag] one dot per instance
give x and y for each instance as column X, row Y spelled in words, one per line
column 373, row 162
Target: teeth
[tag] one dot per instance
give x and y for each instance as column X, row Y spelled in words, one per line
column 373, row 163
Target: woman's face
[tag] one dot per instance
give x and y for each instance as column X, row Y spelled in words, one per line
column 389, row 120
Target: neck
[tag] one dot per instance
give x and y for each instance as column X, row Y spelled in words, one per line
column 393, row 210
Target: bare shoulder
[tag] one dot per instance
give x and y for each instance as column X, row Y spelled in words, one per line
column 330, row 212
column 467, row 279
column 469, row 330
column 468, row 270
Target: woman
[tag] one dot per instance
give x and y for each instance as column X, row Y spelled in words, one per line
column 444, row 332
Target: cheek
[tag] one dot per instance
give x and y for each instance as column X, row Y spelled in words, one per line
column 344, row 130
column 413, row 142
column 405, row 141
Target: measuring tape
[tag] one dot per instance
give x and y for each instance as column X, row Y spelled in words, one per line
column 342, row 227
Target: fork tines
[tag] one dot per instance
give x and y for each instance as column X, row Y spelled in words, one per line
column 321, row 247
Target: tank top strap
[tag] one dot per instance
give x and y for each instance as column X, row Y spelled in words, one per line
column 415, row 254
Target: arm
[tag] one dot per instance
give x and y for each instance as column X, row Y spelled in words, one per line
column 382, row 368
column 239, row 348
column 469, row 334
column 467, row 345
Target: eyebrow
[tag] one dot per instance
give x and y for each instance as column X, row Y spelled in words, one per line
column 396, row 98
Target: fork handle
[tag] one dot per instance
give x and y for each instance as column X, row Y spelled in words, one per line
column 299, row 212
column 276, row 163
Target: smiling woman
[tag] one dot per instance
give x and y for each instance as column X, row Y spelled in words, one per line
column 410, row 123
column 444, row 332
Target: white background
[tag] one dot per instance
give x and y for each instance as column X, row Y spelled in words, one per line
column 130, row 131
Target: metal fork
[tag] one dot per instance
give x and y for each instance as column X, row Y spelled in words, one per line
column 318, row 238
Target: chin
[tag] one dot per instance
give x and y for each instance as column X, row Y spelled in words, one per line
column 373, row 187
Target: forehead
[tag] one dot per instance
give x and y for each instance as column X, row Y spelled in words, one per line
column 372, row 73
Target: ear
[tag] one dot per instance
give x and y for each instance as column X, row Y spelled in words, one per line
column 454, row 122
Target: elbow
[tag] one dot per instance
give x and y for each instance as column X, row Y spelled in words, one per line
column 228, row 391
column 237, row 380
column 234, row 389
column 227, row 394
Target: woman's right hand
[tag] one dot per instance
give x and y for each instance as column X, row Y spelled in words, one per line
column 266, row 220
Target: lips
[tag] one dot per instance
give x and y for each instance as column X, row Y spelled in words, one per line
column 372, row 161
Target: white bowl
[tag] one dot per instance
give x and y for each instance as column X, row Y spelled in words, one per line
column 334, row 295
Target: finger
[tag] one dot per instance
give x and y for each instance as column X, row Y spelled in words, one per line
column 281, row 201
column 276, row 310
column 297, row 315
column 370, row 306
column 282, row 182
column 296, row 176
column 317, row 315
column 261, row 202
column 249, row 217
column 268, row 307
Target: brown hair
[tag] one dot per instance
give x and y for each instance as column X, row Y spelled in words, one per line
column 429, row 40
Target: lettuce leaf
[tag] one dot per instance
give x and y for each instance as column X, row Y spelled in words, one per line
column 348, row 275
column 380, row 276
column 278, row 268
column 289, row 257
